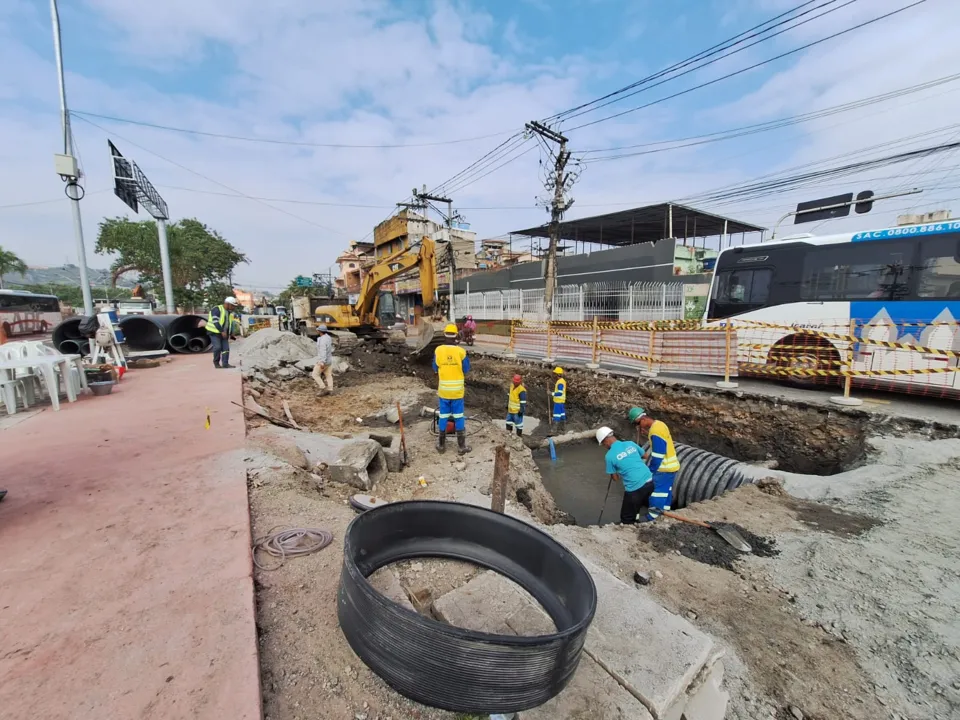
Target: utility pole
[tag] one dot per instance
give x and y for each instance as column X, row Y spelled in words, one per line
column 422, row 198
column 66, row 166
column 559, row 182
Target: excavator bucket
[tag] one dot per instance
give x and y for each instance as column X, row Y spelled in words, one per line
column 428, row 339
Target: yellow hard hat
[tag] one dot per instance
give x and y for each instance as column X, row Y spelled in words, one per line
column 558, row 370
column 450, row 330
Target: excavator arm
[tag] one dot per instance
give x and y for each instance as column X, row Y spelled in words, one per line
column 396, row 264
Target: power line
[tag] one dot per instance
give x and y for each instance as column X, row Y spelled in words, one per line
column 211, row 180
column 732, row 133
column 489, row 157
column 750, row 67
column 622, row 94
column 275, row 141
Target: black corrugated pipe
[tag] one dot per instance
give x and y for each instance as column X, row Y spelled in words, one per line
column 69, row 329
column 190, row 325
column 142, row 334
column 704, row 475
column 70, row 346
column 178, row 342
column 198, row 344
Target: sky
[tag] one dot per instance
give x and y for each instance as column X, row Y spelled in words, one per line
column 411, row 92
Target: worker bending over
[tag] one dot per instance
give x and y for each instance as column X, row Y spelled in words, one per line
column 661, row 458
column 624, row 460
column 221, row 325
column 450, row 362
column 516, row 405
column 559, row 397
column 323, row 371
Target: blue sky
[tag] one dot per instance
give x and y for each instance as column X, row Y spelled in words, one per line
column 417, row 71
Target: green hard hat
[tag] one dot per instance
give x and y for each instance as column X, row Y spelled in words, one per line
column 636, row 413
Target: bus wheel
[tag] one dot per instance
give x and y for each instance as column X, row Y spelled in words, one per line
column 804, row 352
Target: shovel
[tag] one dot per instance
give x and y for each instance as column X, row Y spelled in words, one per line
column 731, row 536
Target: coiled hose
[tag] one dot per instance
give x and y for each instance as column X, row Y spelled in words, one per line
column 291, row 543
column 704, row 475
column 449, row 667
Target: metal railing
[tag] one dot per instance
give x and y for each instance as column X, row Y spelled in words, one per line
column 607, row 301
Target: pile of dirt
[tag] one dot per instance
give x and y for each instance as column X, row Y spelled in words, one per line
column 270, row 349
column 704, row 545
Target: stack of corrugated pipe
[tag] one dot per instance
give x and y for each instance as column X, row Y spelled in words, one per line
column 183, row 333
column 144, row 333
column 67, row 338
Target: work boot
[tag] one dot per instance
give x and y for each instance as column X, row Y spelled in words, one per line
column 462, row 447
column 441, row 442
column 519, row 432
column 227, row 366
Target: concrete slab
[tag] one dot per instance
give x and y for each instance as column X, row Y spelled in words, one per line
column 386, row 582
column 591, row 695
column 654, row 653
column 127, row 589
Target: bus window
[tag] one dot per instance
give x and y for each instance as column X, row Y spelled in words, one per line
column 846, row 272
column 940, row 268
column 736, row 291
column 749, row 287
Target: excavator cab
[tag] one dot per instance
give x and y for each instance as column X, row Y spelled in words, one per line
column 386, row 310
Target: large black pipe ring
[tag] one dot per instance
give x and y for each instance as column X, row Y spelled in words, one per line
column 449, row 667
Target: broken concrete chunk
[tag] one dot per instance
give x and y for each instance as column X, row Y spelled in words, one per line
column 360, row 463
column 386, row 582
column 279, row 445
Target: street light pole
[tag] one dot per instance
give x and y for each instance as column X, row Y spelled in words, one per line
column 73, row 189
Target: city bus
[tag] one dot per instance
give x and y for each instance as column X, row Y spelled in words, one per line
column 27, row 313
column 896, row 285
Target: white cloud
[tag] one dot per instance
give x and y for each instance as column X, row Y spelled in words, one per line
column 364, row 72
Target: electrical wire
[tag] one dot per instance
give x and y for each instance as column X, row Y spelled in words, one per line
column 293, row 542
column 464, row 185
column 211, row 180
column 275, row 141
column 648, row 85
column 750, row 67
column 703, row 54
column 484, row 160
column 732, row 133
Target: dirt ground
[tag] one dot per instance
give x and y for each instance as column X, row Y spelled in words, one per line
column 850, row 611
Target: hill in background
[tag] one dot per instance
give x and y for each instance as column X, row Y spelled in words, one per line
column 63, row 275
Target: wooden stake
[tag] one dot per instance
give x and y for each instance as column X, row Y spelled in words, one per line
column 848, row 381
column 501, row 472
column 403, row 437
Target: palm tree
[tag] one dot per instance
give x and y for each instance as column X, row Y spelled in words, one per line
column 10, row 263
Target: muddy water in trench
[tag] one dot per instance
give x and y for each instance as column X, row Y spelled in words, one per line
column 578, row 482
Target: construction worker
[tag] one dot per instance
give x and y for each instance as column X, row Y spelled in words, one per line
column 221, row 326
column 661, row 458
column 516, row 405
column 559, row 397
column 323, row 371
column 450, row 362
column 624, row 461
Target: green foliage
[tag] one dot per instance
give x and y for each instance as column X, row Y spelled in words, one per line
column 10, row 262
column 72, row 294
column 292, row 291
column 200, row 258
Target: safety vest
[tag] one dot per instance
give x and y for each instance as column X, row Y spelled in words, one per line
column 560, row 391
column 449, row 359
column 513, row 402
column 222, row 317
column 670, row 463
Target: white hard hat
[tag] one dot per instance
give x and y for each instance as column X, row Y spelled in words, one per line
column 603, row 433
column 230, row 301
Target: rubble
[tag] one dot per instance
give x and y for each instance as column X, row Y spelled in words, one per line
column 271, row 349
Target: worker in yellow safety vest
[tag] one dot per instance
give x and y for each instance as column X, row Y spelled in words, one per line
column 516, row 405
column 559, row 397
column 661, row 459
column 450, row 362
column 221, row 326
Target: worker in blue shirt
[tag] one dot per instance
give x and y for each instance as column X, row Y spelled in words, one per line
column 625, row 462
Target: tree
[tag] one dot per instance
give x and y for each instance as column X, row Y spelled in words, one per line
column 10, row 262
column 199, row 256
column 293, row 290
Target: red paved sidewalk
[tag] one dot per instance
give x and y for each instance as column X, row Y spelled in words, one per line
column 125, row 577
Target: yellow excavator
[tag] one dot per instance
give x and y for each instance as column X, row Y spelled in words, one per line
column 374, row 312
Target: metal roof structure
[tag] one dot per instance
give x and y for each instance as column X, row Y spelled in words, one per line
column 650, row 223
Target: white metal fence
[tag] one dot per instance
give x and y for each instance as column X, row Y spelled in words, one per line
column 612, row 301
